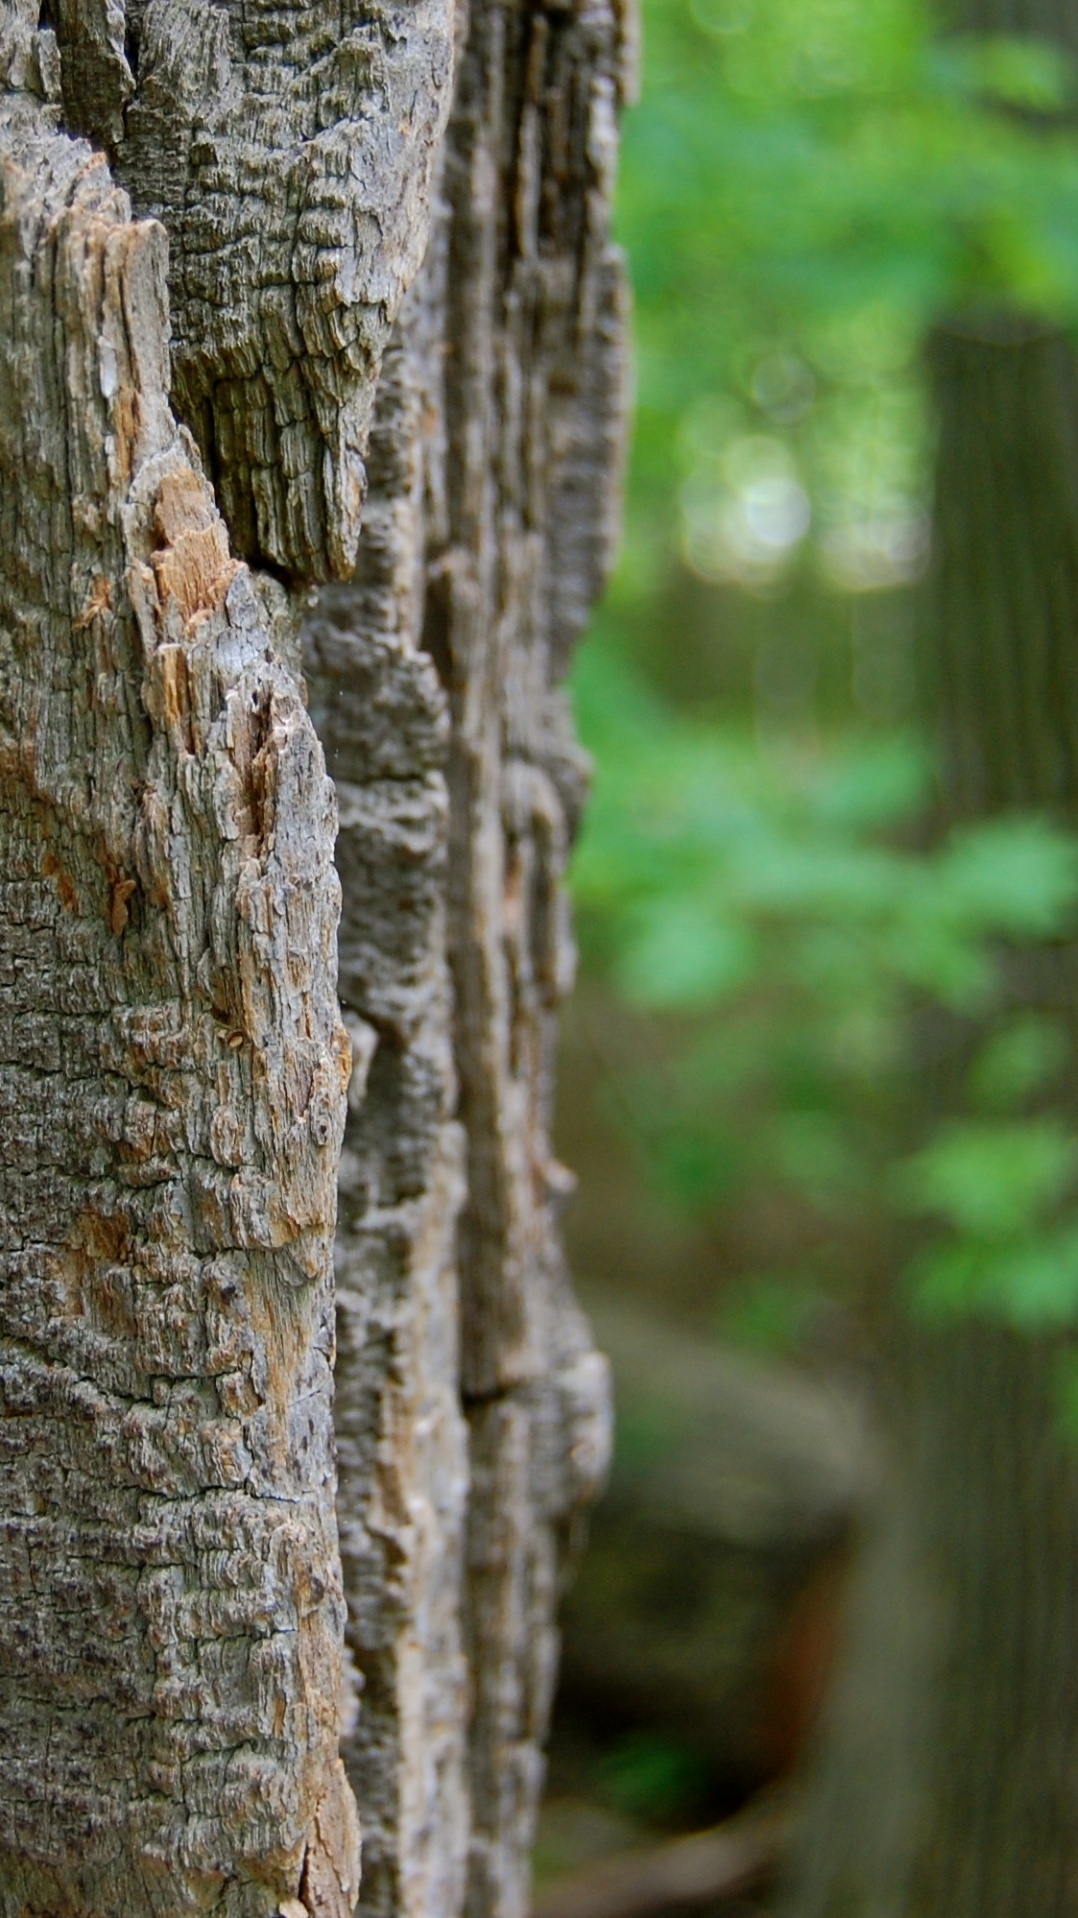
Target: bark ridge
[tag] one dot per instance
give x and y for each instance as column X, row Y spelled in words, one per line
column 495, row 463
column 174, row 1071
column 176, row 1076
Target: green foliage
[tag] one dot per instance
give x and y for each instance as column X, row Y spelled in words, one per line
column 990, row 1180
column 769, row 906
column 1022, row 1056
column 1000, row 1186
column 651, row 1775
column 809, row 186
column 1030, row 1281
column 770, row 1312
column 696, row 845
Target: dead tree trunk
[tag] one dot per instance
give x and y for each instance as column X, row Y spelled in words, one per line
column 180, row 1657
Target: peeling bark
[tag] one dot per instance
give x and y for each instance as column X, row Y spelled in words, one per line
column 534, row 411
column 174, row 1065
column 495, row 465
column 288, row 149
column 174, row 1069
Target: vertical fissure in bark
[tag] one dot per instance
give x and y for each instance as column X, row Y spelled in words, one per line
column 176, row 1078
column 172, row 1103
column 494, row 467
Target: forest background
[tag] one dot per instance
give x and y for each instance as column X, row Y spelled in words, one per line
column 772, row 913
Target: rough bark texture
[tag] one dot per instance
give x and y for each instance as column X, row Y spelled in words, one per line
column 533, row 325
column 287, row 148
column 494, row 466
column 174, row 1070
column 400, row 1428
column 174, row 1065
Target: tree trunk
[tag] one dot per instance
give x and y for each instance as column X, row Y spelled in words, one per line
column 180, row 1656
column 948, row 1782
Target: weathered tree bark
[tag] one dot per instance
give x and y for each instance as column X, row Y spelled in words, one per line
column 488, row 529
column 947, row 1784
column 179, row 1657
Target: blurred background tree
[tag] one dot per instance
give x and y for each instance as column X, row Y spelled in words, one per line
column 822, row 1056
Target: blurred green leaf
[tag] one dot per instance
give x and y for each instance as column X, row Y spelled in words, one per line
column 990, row 1180
column 808, row 185
column 770, row 1311
column 1017, row 876
column 1030, row 1281
column 1026, row 72
column 651, row 1774
column 1019, row 1058
column 680, row 954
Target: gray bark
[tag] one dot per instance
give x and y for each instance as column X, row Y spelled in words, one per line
column 494, row 465
column 179, row 1657
column 174, row 1071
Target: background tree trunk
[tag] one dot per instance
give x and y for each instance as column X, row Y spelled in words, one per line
column 947, row 1782
column 174, row 1067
